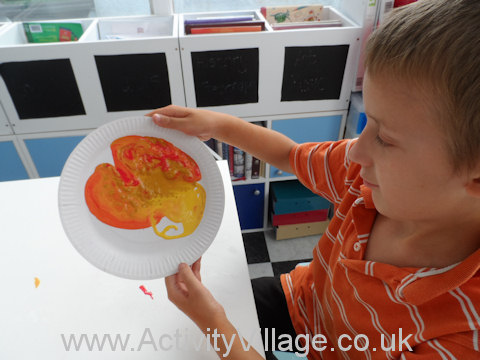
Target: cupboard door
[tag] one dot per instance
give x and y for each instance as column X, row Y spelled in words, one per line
column 11, row 166
column 313, row 129
column 250, row 205
column 50, row 154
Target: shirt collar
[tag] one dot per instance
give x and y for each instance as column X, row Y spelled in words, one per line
column 412, row 285
column 367, row 197
column 430, row 283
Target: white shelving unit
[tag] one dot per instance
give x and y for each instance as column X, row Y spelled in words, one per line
column 78, row 67
column 5, row 128
column 297, row 81
column 281, row 58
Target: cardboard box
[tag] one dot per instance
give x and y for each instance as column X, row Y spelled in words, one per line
column 299, row 230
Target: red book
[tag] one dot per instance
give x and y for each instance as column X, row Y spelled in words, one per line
column 399, row 3
column 226, row 29
column 189, row 27
column 300, row 217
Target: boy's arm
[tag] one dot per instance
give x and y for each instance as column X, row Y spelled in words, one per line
column 262, row 143
column 187, row 292
column 326, row 169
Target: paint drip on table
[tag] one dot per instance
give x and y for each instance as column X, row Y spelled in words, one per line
column 149, row 180
column 145, row 291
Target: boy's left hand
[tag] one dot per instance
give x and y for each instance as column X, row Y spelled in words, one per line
column 187, row 292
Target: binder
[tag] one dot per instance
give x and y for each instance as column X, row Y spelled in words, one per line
column 300, row 217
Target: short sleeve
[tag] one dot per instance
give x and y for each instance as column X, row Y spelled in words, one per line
column 325, row 168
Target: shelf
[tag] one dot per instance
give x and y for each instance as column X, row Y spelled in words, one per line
column 5, row 128
column 4, row 26
column 130, row 28
column 254, row 14
column 15, row 36
column 283, row 178
column 308, row 69
column 329, row 15
column 53, row 94
column 84, row 84
column 260, row 180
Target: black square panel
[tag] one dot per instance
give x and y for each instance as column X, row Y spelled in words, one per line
column 313, row 72
column 226, row 77
column 134, row 81
column 255, row 247
column 42, row 88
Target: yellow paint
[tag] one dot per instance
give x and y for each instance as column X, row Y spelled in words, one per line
column 151, row 179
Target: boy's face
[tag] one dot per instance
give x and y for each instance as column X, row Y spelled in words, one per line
column 403, row 155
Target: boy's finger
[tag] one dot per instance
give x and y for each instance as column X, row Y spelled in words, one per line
column 175, row 287
column 159, row 119
column 175, row 111
column 166, row 121
column 170, row 110
column 196, row 268
column 170, row 285
column 188, row 277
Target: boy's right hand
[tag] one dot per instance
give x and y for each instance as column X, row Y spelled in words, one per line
column 195, row 122
column 186, row 291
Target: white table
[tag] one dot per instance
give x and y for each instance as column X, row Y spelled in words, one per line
column 75, row 298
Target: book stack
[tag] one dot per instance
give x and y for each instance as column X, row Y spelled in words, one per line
column 297, row 17
column 296, row 211
column 224, row 24
column 243, row 166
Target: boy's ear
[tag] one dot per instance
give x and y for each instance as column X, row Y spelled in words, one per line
column 473, row 186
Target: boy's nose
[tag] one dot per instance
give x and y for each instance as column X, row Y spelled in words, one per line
column 359, row 152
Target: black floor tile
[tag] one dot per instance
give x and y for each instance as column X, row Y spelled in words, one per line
column 283, row 267
column 255, row 247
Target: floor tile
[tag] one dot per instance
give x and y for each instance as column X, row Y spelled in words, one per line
column 255, row 247
column 290, row 249
column 260, row 270
column 283, row 267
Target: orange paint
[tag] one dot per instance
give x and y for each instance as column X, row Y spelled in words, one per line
column 150, row 179
column 37, row 282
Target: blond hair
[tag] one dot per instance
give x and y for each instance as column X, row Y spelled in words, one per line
column 436, row 44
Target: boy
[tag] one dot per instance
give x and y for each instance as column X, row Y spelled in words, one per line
column 396, row 275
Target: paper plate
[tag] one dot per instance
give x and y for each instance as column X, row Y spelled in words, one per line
column 135, row 254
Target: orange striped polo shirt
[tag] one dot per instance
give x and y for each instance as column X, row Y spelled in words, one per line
column 349, row 308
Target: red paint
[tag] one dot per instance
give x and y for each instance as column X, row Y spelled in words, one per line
column 121, row 194
column 145, row 291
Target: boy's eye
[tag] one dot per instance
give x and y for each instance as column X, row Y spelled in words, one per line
column 379, row 140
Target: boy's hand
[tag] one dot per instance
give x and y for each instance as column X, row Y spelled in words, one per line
column 187, row 292
column 262, row 143
column 194, row 122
